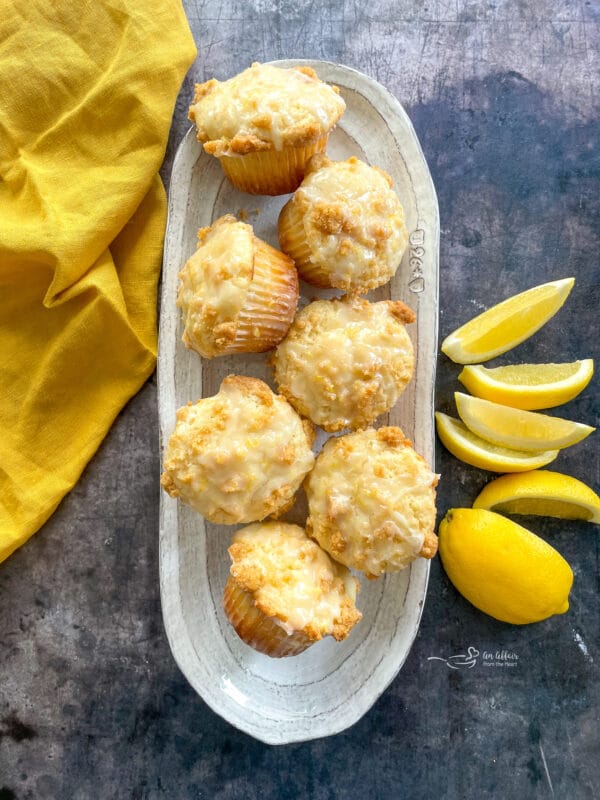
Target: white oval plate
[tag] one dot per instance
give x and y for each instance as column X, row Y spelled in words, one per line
column 331, row 685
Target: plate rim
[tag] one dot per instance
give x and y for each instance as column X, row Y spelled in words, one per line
column 178, row 637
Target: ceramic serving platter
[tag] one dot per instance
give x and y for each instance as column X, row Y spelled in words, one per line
column 331, row 685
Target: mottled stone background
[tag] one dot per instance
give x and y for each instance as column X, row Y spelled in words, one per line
column 504, row 97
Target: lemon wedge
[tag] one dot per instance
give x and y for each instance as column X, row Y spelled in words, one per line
column 528, row 386
column 521, row 430
column 543, row 493
column 506, row 324
column 502, row 568
column 471, row 449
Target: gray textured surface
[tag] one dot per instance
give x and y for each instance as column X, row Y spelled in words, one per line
column 504, row 99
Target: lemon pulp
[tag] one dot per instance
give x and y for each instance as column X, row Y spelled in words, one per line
column 528, row 386
column 521, row 430
column 542, row 493
column 506, row 324
column 474, row 450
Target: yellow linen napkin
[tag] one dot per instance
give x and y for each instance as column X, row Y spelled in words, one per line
column 87, row 91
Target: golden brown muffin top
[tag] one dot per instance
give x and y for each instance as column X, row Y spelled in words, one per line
column 264, row 108
column 353, row 222
column 214, row 283
column 240, row 455
column 294, row 581
column 371, row 501
column 344, row 362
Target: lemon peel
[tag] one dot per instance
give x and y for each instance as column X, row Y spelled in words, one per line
column 474, row 450
column 528, row 386
column 503, row 569
column 506, row 324
column 543, row 493
column 514, row 428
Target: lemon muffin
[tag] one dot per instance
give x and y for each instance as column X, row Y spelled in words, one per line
column 240, row 455
column 344, row 227
column 265, row 123
column 237, row 294
column 344, row 362
column 284, row 592
column 371, row 501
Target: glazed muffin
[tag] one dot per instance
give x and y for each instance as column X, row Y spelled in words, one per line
column 284, row 592
column 344, row 227
column 371, row 501
column 265, row 123
column 237, row 294
column 240, row 455
column 344, row 362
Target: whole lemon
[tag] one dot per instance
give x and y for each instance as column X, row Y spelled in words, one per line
column 502, row 568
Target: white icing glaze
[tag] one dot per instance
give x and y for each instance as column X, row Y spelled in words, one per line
column 344, row 362
column 214, row 283
column 238, row 456
column 292, row 577
column 353, row 222
column 267, row 104
column 371, row 504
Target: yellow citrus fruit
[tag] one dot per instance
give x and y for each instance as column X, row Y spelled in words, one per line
column 543, row 493
column 507, row 324
column 528, row 386
column 521, row 430
column 502, row 568
column 474, row 450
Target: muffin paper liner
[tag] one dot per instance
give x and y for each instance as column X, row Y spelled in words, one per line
column 257, row 629
column 270, row 304
column 271, row 172
column 292, row 240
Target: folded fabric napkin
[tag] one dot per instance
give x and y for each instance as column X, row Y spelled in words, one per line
column 87, row 94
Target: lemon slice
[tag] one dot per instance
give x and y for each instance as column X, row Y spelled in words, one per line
column 521, row 430
column 529, row 386
column 471, row 449
column 507, row 324
column 502, row 568
column 542, row 493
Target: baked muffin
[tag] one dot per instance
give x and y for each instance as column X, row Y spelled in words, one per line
column 284, row 592
column 237, row 294
column 371, row 501
column 344, row 362
column 344, row 227
column 265, row 123
column 240, row 455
